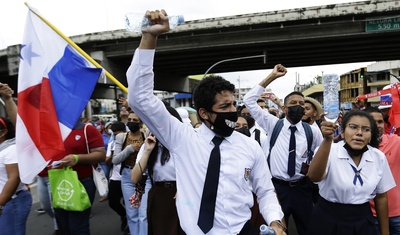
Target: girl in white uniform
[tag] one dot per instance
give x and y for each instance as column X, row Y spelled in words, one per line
column 161, row 209
column 350, row 173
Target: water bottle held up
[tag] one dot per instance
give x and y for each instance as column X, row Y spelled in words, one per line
column 331, row 97
column 136, row 22
column 266, row 230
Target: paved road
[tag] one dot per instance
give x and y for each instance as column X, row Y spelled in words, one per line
column 104, row 221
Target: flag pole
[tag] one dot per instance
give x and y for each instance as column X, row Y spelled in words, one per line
column 82, row 52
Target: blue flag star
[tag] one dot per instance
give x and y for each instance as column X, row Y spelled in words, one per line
column 28, row 53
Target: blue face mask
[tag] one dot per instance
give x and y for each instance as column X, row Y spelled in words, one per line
column 110, row 132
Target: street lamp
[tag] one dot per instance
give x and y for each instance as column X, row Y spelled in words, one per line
column 233, row 59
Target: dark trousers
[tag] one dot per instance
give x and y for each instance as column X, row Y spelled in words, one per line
column 296, row 201
column 77, row 222
column 162, row 216
column 256, row 218
column 115, row 197
column 249, row 229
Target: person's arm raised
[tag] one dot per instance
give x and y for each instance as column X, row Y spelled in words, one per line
column 140, row 166
column 160, row 25
column 318, row 165
column 278, row 71
column 11, row 108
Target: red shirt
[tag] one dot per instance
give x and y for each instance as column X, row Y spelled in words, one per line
column 390, row 146
column 75, row 143
column 389, row 127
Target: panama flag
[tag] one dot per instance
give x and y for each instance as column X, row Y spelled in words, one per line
column 54, row 85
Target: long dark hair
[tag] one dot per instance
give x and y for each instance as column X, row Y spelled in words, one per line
column 5, row 123
column 165, row 156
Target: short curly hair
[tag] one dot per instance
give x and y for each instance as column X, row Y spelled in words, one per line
column 204, row 93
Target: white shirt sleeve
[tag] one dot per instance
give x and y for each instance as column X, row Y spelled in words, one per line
column 266, row 120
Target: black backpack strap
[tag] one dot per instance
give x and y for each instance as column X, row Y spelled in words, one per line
column 309, row 137
column 122, row 148
column 257, row 133
column 274, row 136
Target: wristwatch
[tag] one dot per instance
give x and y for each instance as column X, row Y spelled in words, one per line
column 280, row 224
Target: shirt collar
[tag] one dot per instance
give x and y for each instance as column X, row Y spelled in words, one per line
column 287, row 124
column 365, row 157
column 208, row 134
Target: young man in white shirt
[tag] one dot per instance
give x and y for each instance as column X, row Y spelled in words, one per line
column 241, row 158
column 292, row 186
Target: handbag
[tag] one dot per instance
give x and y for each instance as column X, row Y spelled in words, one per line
column 99, row 177
column 100, row 180
column 67, row 191
column 136, row 199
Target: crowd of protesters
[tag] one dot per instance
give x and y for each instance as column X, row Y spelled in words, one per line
column 226, row 171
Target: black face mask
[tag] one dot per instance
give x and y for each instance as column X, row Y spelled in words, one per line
column 133, row 126
column 308, row 120
column 295, row 113
column 244, row 130
column 355, row 152
column 250, row 121
column 224, row 123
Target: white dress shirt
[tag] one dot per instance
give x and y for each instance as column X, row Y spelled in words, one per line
column 338, row 186
column 280, row 151
column 242, row 160
column 263, row 139
column 164, row 172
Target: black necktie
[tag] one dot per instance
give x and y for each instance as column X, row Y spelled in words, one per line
column 207, row 206
column 292, row 152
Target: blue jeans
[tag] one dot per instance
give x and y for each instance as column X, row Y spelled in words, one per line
column 77, row 222
column 15, row 213
column 137, row 217
column 106, row 169
column 394, row 226
column 44, row 194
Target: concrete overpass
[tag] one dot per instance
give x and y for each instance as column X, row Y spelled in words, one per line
column 330, row 34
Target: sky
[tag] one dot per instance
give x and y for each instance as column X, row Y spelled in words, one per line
column 75, row 17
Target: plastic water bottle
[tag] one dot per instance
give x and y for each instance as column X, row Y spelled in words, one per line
column 331, row 97
column 136, row 22
column 266, row 230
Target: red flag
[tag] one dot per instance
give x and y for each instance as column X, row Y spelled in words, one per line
column 394, row 114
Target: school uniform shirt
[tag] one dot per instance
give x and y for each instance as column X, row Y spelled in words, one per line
column 280, row 151
column 164, row 172
column 263, row 140
column 316, row 126
column 242, row 160
column 338, row 186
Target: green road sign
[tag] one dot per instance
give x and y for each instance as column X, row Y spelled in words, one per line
column 392, row 23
